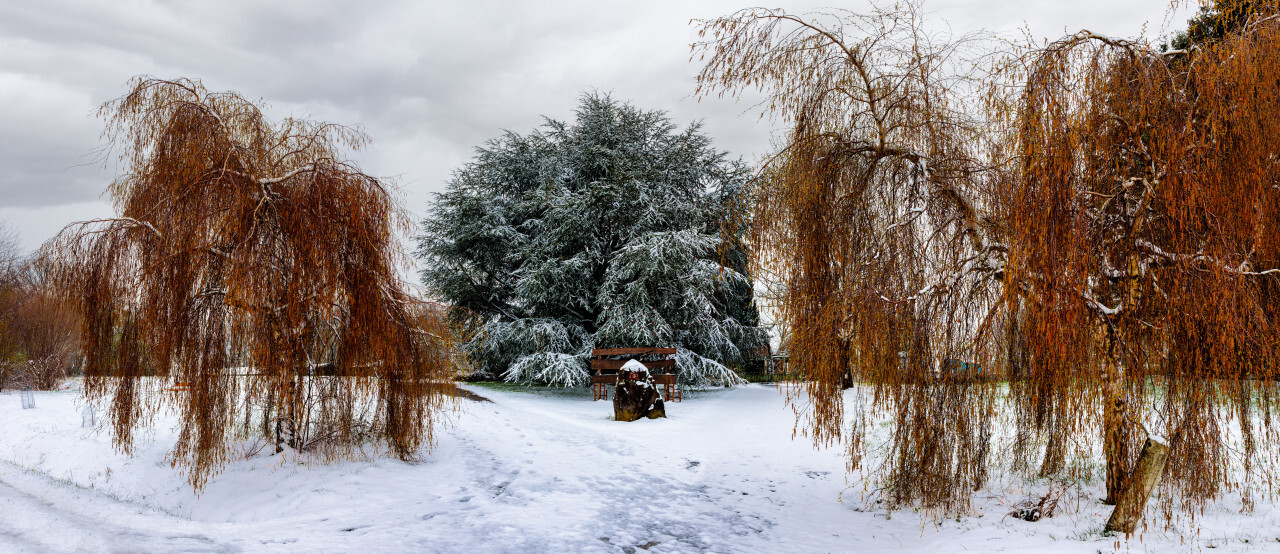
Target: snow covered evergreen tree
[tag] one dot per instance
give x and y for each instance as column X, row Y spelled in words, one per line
column 607, row 232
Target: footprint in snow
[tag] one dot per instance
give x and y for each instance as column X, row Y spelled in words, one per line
column 500, row 488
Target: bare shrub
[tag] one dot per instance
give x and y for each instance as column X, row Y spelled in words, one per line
column 38, row 331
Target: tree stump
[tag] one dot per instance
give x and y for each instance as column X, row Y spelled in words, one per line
column 635, row 395
column 1133, row 497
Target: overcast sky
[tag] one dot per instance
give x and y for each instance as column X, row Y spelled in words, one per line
column 428, row 81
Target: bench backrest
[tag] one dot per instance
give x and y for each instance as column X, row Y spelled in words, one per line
column 607, row 361
column 660, row 379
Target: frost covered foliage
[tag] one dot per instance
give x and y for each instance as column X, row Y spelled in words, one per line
column 606, row 232
column 536, row 349
column 660, row 289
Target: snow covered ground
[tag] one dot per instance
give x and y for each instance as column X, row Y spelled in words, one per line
column 542, row 471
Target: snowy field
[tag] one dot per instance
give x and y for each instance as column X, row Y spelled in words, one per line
column 530, row 471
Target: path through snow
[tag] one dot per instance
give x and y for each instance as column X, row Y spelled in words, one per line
column 527, row 472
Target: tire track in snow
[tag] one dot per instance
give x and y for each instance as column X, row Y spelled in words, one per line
column 41, row 522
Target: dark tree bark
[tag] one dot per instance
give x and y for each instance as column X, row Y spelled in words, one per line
column 635, row 396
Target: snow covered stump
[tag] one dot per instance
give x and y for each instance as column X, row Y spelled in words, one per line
column 635, row 395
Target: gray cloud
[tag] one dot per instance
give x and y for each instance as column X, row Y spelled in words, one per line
column 429, row 81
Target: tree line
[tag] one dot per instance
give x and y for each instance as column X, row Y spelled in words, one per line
column 37, row 330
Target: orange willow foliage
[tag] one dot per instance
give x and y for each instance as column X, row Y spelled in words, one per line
column 1097, row 223
column 870, row 216
column 1143, row 210
column 251, row 262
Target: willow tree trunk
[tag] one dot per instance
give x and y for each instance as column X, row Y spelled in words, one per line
column 1055, row 454
column 286, row 426
column 1146, row 475
column 1115, row 444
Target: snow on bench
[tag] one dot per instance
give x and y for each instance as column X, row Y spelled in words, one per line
column 605, row 363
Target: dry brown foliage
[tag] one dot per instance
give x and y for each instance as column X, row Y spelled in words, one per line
column 255, row 270
column 9, row 257
column 37, row 328
column 1096, row 223
column 40, row 330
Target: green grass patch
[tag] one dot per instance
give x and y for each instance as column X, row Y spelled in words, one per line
column 540, row 390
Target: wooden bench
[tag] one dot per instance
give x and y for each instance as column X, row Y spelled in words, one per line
column 605, row 363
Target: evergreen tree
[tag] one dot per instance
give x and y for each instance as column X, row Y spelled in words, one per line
column 606, row 232
column 1214, row 21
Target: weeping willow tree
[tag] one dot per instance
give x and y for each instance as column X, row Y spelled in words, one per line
column 252, row 272
column 1097, row 225
column 1143, row 200
column 870, row 217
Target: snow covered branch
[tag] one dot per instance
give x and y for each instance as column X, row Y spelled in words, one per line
column 286, row 176
column 1242, row 269
column 123, row 220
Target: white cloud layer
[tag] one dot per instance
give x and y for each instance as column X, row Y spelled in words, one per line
column 429, row 81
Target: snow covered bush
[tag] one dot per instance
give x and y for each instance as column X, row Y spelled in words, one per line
column 607, row 232
column 534, row 349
